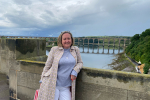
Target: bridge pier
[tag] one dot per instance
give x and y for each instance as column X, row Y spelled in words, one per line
column 98, row 49
column 83, row 49
column 88, row 46
column 119, row 49
column 108, row 50
column 98, row 46
column 103, row 50
column 78, row 41
column 93, row 46
column 113, row 49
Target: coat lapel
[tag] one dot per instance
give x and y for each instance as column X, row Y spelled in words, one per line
column 59, row 53
column 73, row 52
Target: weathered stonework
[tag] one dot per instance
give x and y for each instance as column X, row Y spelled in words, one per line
column 0, row 54
column 26, row 48
column 100, row 84
column 11, row 53
column 4, row 87
column 24, row 64
column 38, row 58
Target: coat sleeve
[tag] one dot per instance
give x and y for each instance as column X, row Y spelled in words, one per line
column 79, row 63
column 49, row 62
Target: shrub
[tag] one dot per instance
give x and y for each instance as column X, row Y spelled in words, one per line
column 146, row 68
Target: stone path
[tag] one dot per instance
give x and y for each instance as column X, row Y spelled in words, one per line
column 4, row 87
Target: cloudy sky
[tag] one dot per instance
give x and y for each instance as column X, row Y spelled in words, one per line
column 81, row 17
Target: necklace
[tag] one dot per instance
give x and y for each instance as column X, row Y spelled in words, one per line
column 66, row 51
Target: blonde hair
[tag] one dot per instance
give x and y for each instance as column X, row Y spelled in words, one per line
column 59, row 40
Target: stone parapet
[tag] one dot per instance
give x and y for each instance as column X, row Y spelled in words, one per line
column 91, row 84
column 25, row 81
column 13, row 53
column 100, row 84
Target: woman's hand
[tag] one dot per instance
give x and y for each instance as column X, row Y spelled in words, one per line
column 73, row 77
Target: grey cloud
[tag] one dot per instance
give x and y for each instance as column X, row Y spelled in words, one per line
column 22, row 19
column 23, row 2
column 101, row 17
column 49, row 13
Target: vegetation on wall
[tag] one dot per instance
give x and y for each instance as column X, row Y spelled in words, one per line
column 139, row 49
column 3, row 37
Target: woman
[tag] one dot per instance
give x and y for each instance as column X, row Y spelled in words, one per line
column 61, row 68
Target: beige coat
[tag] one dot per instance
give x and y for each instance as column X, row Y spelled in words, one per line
column 49, row 74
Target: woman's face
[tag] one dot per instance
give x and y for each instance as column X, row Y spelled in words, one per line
column 66, row 40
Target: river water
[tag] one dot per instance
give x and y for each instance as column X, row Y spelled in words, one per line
column 95, row 60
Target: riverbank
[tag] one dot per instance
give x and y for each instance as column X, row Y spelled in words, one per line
column 122, row 63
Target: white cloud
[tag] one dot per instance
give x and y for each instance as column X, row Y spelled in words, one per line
column 50, row 35
column 74, row 15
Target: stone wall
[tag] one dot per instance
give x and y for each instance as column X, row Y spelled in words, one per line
column 0, row 54
column 99, row 84
column 11, row 52
column 92, row 84
column 27, row 79
column 16, row 49
column 4, row 87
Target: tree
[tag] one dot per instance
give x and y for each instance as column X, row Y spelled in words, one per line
column 145, row 33
column 135, row 37
column 139, row 49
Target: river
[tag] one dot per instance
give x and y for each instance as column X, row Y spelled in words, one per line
column 95, row 60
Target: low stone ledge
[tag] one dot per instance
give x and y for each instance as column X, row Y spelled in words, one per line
column 102, row 84
column 31, row 66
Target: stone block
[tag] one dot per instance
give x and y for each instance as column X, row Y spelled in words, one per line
column 4, row 66
column 88, row 91
column 14, row 65
column 133, row 95
column 119, row 91
column 0, row 63
column 33, row 80
column 22, row 79
column 0, row 54
column 4, row 87
column 24, row 93
column 11, row 55
column 32, row 67
column 28, row 80
column 12, row 80
column 4, row 54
